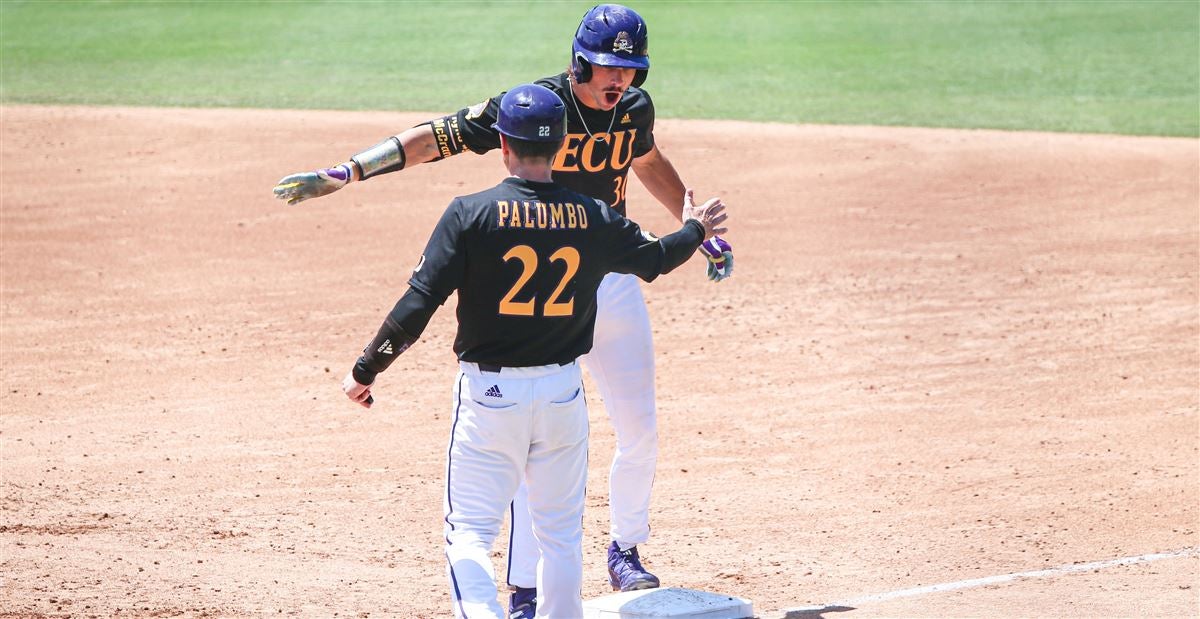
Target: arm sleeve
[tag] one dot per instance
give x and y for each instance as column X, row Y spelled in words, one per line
column 401, row 329
column 439, row 273
column 681, row 244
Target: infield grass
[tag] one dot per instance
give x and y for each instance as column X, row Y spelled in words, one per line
column 1108, row 67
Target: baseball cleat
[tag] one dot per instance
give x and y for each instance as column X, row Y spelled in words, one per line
column 522, row 604
column 625, row 571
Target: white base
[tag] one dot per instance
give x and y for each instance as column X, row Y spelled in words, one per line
column 671, row 602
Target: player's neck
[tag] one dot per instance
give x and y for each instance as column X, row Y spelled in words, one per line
column 538, row 173
column 537, row 169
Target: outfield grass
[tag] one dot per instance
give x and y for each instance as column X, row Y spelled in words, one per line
column 1111, row 67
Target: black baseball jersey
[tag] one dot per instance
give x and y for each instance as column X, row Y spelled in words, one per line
column 526, row 259
column 595, row 157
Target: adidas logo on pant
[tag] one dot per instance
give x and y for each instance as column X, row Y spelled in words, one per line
column 494, row 392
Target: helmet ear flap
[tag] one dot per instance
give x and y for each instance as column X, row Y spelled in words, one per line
column 581, row 68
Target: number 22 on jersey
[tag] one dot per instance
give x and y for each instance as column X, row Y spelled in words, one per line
column 553, row 306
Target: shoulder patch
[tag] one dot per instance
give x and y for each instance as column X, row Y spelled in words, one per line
column 475, row 111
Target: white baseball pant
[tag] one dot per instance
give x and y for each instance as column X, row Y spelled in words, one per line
column 622, row 364
column 520, row 423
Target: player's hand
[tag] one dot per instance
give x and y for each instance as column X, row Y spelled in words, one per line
column 356, row 391
column 719, row 253
column 300, row 187
column 710, row 214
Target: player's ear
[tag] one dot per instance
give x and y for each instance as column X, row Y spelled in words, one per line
column 504, row 144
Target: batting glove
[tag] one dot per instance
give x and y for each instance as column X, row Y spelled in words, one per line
column 300, row 187
column 719, row 253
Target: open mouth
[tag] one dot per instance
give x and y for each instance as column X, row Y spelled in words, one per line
column 611, row 97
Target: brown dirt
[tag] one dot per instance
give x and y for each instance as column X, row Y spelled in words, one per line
column 945, row 355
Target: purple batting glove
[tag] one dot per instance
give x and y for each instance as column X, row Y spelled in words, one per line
column 299, row 187
column 719, row 253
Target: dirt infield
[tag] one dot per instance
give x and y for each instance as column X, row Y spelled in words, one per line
column 945, row 355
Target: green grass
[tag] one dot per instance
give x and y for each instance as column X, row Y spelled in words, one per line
column 1110, row 67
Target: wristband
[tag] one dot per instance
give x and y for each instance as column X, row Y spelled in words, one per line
column 386, row 156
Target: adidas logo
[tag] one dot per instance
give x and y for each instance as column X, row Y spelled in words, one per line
column 625, row 119
column 494, row 392
column 385, row 348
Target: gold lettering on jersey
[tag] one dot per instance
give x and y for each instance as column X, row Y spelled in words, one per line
column 448, row 135
column 618, row 148
column 571, row 217
column 439, row 134
column 541, row 216
column 529, row 222
column 568, row 155
column 556, row 216
column 586, row 158
column 582, row 215
column 515, row 220
column 579, row 152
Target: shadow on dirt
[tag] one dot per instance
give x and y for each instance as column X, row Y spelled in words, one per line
column 815, row 613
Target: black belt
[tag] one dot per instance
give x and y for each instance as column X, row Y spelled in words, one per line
column 495, row 369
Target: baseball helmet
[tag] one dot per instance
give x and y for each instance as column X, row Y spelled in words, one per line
column 533, row 113
column 611, row 35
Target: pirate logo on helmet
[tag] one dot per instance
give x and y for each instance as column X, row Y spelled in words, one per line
column 622, row 43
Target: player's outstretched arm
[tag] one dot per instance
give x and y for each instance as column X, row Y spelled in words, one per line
column 661, row 179
column 403, row 150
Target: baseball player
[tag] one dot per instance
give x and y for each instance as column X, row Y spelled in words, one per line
column 526, row 257
column 610, row 130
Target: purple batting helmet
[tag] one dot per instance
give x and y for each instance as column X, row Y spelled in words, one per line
column 611, row 35
column 533, row 113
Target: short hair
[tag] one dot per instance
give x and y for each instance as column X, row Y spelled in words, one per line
column 528, row 149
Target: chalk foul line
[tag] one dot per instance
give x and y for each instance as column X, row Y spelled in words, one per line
column 991, row 580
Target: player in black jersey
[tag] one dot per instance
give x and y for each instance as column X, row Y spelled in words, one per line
column 610, row 131
column 526, row 258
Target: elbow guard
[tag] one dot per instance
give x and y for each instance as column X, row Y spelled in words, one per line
column 386, row 156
